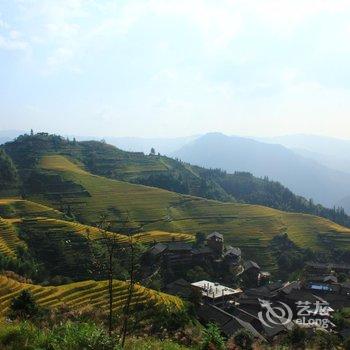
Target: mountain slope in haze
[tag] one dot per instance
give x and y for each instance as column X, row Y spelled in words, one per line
column 9, row 135
column 345, row 203
column 329, row 151
column 303, row 176
column 140, row 144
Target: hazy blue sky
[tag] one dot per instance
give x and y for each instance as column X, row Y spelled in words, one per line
column 170, row 68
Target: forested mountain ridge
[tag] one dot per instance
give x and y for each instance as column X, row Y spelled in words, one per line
column 160, row 171
column 302, row 175
column 8, row 172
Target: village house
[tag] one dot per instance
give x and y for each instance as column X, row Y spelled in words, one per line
column 228, row 323
column 215, row 241
column 215, row 293
column 177, row 253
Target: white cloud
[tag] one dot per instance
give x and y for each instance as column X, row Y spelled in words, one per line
column 77, row 26
column 60, row 55
column 11, row 39
column 284, row 16
column 12, row 44
column 218, row 24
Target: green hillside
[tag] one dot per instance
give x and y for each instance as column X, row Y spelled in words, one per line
column 57, row 173
column 8, row 174
column 158, row 171
column 249, row 226
column 11, row 208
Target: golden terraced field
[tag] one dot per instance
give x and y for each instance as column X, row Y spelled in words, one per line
column 21, row 215
column 58, row 228
column 80, row 295
column 8, row 238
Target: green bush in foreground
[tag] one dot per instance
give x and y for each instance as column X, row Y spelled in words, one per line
column 73, row 336
column 244, row 339
column 213, row 338
column 24, row 306
column 69, row 336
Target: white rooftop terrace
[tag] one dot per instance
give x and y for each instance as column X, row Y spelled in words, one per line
column 215, row 290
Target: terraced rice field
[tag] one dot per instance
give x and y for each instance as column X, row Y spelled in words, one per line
column 8, row 238
column 59, row 228
column 82, row 295
column 18, row 208
column 250, row 227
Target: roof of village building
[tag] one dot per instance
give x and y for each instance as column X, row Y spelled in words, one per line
column 179, row 287
column 249, row 264
column 275, row 285
column 301, row 295
column 229, row 324
column 270, row 329
column 202, row 250
column 177, row 246
column 157, row 249
column 215, row 290
column 290, row 286
column 172, row 247
column 232, row 251
column 268, row 291
column 215, row 234
column 322, row 278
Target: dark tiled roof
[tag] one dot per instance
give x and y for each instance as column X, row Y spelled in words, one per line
column 322, row 278
column 258, row 292
column 274, row 286
column 157, row 249
column 236, row 324
column 268, row 291
column 233, row 251
column 215, row 234
column 269, row 330
column 252, row 301
column 301, row 295
column 209, row 313
column 177, row 246
column 289, row 287
column 229, row 324
column 202, row 250
column 250, row 264
column 179, row 287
